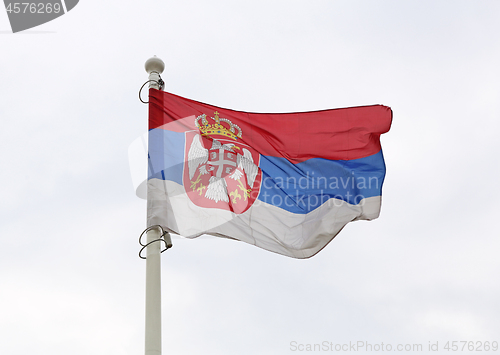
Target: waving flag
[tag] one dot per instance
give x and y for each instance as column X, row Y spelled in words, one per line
column 286, row 182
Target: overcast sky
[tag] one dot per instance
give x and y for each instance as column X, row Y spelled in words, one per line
column 427, row 270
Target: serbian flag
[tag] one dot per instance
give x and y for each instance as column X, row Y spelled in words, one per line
column 285, row 182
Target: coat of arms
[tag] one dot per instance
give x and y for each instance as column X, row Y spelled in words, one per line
column 221, row 171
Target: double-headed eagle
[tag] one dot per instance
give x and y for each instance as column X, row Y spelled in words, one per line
column 220, row 161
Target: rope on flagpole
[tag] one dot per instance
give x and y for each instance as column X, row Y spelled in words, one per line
column 164, row 237
column 160, row 83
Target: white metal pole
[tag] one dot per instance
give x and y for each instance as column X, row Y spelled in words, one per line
column 154, row 66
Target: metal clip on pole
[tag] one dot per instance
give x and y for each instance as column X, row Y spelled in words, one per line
column 164, row 237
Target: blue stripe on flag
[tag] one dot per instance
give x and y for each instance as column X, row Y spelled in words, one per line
column 166, row 155
column 301, row 188
column 297, row 188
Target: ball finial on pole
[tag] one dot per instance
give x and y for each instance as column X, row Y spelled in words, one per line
column 154, row 64
column 154, row 67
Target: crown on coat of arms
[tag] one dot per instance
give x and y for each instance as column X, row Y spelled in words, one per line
column 230, row 130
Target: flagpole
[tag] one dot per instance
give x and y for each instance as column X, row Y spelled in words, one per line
column 154, row 66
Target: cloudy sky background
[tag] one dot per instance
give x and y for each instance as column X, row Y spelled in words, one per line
column 427, row 270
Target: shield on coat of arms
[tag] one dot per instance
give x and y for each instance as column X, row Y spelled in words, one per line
column 220, row 170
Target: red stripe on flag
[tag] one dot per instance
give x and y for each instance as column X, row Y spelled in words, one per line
column 336, row 134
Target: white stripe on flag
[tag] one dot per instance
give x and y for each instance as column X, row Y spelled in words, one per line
column 264, row 225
